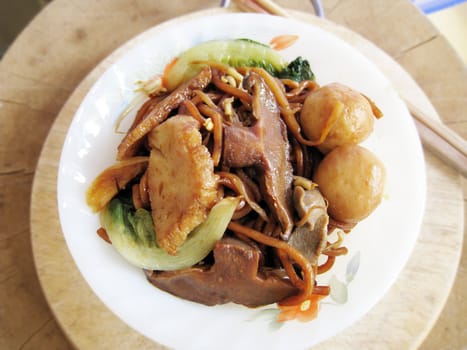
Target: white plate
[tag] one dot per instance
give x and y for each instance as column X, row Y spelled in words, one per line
column 378, row 247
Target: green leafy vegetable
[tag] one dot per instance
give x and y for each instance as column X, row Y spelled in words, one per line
column 132, row 235
column 298, row 70
column 236, row 53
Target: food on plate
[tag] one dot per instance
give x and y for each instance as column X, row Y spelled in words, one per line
column 234, row 175
column 235, row 276
column 340, row 113
column 177, row 155
column 352, row 179
column 235, row 53
column 132, row 234
column 107, row 185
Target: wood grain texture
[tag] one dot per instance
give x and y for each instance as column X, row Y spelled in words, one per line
column 67, row 40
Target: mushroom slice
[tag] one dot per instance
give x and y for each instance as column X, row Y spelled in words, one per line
column 310, row 238
column 264, row 146
column 235, row 277
column 128, row 147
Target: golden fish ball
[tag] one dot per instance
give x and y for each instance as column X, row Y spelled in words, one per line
column 352, row 180
column 346, row 112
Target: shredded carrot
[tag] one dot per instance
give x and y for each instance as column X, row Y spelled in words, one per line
column 303, row 312
column 322, row 290
column 282, row 42
column 102, row 233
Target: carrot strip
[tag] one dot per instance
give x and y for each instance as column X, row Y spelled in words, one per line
column 102, row 233
column 282, row 42
column 321, row 290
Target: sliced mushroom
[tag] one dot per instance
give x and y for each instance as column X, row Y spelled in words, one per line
column 234, row 277
column 264, row 146
column 310, row 238
column 133, row 140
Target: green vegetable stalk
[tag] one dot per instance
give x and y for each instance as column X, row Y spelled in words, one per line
column 236, row 53
column 132, row 235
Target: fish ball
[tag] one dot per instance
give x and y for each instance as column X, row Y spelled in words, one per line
column 352, row 126
column 352, row 180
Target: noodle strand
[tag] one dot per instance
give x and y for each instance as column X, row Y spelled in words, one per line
column 307, row 270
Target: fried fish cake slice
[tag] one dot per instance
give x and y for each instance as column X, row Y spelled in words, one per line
column 181, row 180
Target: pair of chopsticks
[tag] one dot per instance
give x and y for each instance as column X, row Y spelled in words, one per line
column 261, row 6
column 440, row 140
column 435, row 136
column 270, row 7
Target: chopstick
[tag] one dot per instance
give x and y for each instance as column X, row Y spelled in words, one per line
column 261, row 6
column 440, row 129
column 435, row 136
column 249, row 6
column 440, row 140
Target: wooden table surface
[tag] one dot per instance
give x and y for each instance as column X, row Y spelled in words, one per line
column 69, row 38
